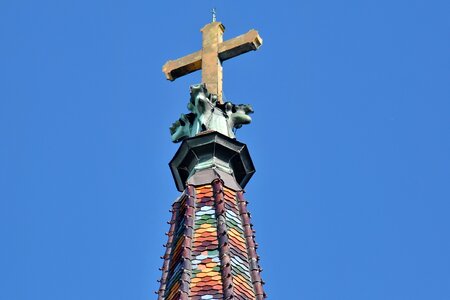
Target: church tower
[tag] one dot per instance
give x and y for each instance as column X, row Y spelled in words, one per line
column 211, row 248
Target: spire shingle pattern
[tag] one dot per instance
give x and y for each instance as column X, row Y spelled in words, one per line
column 210, row 252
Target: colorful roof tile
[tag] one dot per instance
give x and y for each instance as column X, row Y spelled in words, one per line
column 210, row 253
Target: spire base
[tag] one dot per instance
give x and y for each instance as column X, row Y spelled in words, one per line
column 210, row 153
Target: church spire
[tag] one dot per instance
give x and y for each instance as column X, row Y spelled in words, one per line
column 211, row 248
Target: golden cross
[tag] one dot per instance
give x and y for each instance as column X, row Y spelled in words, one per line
column 209, row 59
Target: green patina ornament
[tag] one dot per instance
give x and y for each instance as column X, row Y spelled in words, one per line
column 208, row 114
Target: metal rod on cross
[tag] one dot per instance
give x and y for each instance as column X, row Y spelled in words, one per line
column 213, row 14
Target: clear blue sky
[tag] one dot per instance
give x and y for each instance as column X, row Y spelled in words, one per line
column 351, row 141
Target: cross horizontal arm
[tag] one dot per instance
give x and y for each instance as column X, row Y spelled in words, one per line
column 182, row 66
column 240, row 45
column 174, row 69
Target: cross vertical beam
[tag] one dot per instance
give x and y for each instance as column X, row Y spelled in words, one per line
column 211, row 65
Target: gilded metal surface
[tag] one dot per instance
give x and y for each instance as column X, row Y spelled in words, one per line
column 209, row 59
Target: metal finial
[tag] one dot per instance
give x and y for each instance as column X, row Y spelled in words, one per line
column 213, row 14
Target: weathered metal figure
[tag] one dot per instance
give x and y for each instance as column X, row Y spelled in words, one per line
column 208, row 114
